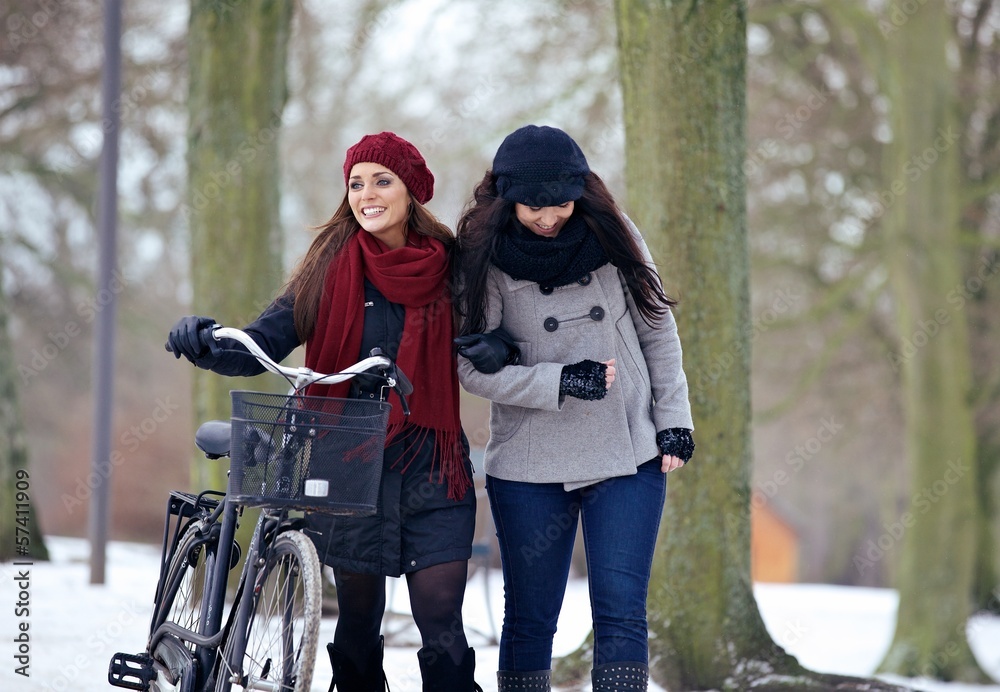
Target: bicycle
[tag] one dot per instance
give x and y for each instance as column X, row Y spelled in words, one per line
column 288, row 454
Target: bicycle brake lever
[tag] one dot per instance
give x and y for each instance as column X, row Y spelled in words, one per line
column 396, row 379
column 402, row 400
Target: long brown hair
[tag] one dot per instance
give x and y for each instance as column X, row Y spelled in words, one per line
column 488, row 216
column 309, row 277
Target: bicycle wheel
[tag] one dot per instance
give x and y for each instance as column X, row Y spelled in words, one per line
column 180, row 603
column 283, row 628
column 187, row 575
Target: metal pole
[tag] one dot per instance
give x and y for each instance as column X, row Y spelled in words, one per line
column 107, row 293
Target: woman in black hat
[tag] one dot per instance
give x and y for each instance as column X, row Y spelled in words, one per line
column 567, row 331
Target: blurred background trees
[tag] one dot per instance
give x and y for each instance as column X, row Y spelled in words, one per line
column 825, row 141
column 50, row 140
column 821, row 183
column 21, row 534
column 232, row 205
column 921, row 249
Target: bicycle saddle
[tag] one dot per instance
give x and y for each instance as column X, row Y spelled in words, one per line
column 213, row 438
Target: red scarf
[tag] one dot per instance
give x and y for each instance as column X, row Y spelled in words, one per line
column 415, row 276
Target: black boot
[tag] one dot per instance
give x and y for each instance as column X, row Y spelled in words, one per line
column 533, row 681
column 440, row 674
column 627, row 676
column 347, row 677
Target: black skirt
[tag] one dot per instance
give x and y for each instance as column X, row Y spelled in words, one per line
column 415, row 524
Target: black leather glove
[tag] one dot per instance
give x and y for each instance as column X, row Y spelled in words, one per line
column 191, row 337
column 489, row 352
column 584, row 380
column 676, row 442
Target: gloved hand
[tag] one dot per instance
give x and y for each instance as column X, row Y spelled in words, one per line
column 676, row 442
column 584, row 380
column 489, row 352
column 191, row 337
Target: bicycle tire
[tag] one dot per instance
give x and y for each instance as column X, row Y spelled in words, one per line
column 280, row 651
column 180, row 603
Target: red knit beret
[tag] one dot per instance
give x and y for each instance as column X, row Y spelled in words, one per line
column 399, row 156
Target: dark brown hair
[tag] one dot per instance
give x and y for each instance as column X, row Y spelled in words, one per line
column 488, row 215
column 309, row 277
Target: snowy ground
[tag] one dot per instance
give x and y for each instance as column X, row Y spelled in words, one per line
column 75, row 627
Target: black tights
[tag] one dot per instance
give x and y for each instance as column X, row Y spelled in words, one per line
column 436, row 595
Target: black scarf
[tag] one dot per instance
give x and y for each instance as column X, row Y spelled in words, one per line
column 551, row 262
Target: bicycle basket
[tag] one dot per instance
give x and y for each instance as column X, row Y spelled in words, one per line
column 307, row 452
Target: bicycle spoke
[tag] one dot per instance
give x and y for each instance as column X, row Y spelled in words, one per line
column 274, row 631
column 281, row 636
column 183, row 606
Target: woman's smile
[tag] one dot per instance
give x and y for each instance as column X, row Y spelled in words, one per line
column 544, row 221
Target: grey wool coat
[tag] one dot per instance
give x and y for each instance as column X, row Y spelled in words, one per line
column 538, row 436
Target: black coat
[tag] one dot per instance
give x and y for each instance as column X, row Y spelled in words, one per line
column 415, row 525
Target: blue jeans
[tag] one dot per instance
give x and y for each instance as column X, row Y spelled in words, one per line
column 536, row 529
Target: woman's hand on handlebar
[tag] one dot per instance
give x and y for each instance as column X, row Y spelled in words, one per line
column 191, row 337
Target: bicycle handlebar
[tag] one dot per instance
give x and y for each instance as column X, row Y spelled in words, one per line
column 303, row 376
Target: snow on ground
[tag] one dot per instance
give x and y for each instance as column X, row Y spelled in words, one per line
column 75, row 627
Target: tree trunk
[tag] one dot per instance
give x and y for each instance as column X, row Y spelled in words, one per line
column 937, row 534
column 20, row 532
column 683, row 75
column 238, row 90
column 986, row 582
column 684, row 85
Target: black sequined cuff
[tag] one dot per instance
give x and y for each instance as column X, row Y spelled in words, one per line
column 676, row 442
column 584, row 380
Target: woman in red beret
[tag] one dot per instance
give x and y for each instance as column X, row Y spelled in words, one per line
column 378, row 274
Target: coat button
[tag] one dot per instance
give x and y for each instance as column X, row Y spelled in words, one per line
column 551, row 324
column 584, row 280
column 546, row 290
column 597, row 313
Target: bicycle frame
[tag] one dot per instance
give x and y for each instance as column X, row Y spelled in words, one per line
column 214, row 605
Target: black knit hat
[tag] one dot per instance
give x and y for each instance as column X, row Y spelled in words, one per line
column 539, row 167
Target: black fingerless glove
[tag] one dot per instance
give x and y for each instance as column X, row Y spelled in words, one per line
column 489, row 352
column 676, row 442
column 584, row 380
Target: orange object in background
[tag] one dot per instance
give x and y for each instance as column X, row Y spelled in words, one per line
column 774, row 544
